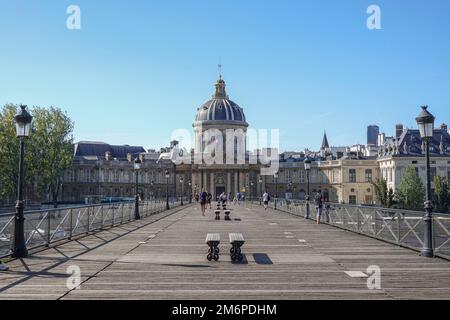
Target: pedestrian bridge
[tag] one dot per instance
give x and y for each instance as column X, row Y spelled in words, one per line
column 163, row 256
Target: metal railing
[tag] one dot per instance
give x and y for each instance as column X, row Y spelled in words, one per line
column 401, row 227
column 42, row 227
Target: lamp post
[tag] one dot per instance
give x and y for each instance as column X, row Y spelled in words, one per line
column 425, row 121
column 190, row 191
column 137, row 167
column 23, row 125
column 275, row 175
column 167, row 189
column 307, row 164
column 152, row 183
column 250, row 190
column 260, row 180
column 182, row 190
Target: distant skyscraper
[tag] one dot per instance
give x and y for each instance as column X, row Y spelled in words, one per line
column 372, row 135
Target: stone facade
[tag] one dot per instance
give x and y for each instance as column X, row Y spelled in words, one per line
column 344, row 174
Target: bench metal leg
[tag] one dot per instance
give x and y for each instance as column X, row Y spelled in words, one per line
column 213, row 251
column 235, row 252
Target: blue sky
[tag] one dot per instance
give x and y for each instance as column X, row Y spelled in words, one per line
column 139, row 69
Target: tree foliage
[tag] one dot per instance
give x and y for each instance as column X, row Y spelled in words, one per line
column 411, row 193
column 384, row 195
column 441, row 193
column 48, row 151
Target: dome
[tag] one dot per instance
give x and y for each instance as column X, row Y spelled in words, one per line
column 220, row 108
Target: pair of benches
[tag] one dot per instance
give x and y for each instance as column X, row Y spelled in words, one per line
column 226, row 212
column 236, row 241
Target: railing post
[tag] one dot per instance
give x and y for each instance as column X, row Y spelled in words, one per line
column 113, row 216
column 375, row 223
column 48, row 228
column 358, row 217
column 121, row 210
column 101, row 216
column 70, row 224
column 88, row 220
column 398, row 227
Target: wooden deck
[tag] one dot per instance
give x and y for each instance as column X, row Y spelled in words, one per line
column 286, row 257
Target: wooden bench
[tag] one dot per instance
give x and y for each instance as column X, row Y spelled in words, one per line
column 236, row 241
column 213, row 241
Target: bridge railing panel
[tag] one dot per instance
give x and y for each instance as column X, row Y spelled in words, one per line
column 42, row 227
column 401, row 227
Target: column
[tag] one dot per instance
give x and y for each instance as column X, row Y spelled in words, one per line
column 212, row 185
column 228, row 182
column 205, row 180
column 236, row 184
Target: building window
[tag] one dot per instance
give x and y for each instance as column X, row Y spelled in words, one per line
column 302, row 176
column 368, row 175
column 352, row 199
column 368, row 199
column 352, row 175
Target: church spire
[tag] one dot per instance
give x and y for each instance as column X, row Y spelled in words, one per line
column 325, row 144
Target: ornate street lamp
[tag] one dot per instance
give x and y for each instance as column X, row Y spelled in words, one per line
column 137, row 167
column 167, row 189
column 275, row 175
column 260, row 180
column 182, row 190
column 152, row 183
column 190, row 191
column 23, row 127
column 425, row 121
column 307, row 164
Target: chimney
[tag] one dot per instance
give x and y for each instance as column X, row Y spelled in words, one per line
column 444, row 127
column 398, row 130
column 381, row 139
column 107, row 155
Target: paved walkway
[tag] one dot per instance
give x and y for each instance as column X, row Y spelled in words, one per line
column 286, row 257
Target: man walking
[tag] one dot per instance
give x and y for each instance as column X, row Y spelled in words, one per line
column 266, row 199
column 203, row 199
column 318, row 201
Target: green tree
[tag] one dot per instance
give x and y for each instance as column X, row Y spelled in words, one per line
column 411, row 194
column 384, row 195
column 49, row 151
column 381, row 191
column 9, row 155
column 442, row 196
column 53, row 148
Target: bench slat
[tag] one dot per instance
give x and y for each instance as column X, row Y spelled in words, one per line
column 236, row 237
column 212, row 237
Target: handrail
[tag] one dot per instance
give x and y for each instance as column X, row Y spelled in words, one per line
column 401, row 227
column 43, row 227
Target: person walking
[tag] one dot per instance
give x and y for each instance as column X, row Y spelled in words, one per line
column 223, row 198
column 208, row 199
column 318, row 201
column 203, row 199
column 266, row 199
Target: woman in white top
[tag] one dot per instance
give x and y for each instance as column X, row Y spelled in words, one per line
column 266, row 199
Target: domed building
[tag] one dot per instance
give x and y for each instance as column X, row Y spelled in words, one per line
column 220, row 153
